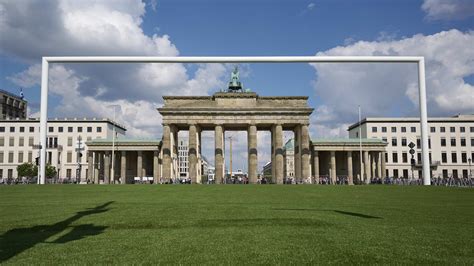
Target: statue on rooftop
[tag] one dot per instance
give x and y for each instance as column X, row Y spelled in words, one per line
column 234, row 84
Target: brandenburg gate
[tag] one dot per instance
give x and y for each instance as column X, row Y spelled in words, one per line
column 232, row 110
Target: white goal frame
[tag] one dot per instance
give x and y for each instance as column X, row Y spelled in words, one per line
column 419, row 60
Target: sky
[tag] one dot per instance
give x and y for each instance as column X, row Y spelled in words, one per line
column 440, row 30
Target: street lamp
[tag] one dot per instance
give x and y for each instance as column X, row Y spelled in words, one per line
column 112, row 172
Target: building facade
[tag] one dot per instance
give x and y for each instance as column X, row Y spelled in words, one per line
column 451, row 144
column 183, row 164
column 12, row 106
column 289, row 157
column 19, row 140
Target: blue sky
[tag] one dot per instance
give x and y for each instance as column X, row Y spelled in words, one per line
column 440, row 30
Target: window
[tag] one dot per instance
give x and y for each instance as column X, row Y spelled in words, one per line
column 455, row 173
column 10, row 157
column 68, row 173
column 2, row 129
column 404, row 157
column 418, row 143
column 79, row 129
column 395, row 157
column 89, row 129
column 395, row 173
column 99, row 129
column 471, row 129
column 432, row 129
column 386, row 157
column 394, row 130
column 21, row 142
column 442, row 129
column 429, row 143
column 405, row 173
column 404, row 142
column 12, row 129
column 32, row 129
column 463, row 142
column 452, row 129
column 11, row 142
column 69, row 129
column 444, row 157
column 462, row 129
column 453, row 142
column 443, row 142
column 20, row 157
column 464, row 173
column 30, row 157
column 30, row 141
column 2, row 141
column 51, row 129
column 394, row 142
column 69, row 141
column 413, row 129
column 463, row 157
column 1, row 156
column 445, row 173
column 404, row 129
column 60, row 129
column 357, row 134
column 69, row 157
column 22, row 129
column 384, row 139
column 454, row 157
column 384, row 129
column 472, row 142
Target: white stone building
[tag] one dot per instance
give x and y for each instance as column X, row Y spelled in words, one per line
column 17, row 138
column 289, row 158
column 451, row 144
column 183, row 163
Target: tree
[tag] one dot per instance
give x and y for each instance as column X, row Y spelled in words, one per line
column 27, row 170
column 50, row 171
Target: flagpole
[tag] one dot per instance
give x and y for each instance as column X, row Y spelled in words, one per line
column 360, row 146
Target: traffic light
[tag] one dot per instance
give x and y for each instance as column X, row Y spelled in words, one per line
column 37, row 161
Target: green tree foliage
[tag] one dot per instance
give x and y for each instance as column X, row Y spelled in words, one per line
column 27, row 170
column 50, row 171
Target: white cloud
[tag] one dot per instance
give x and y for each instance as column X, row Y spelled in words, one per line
column 311, row 6
column 448, row 9
column 387, row 89
column 31, row 29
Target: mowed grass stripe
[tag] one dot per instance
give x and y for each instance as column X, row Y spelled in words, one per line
column 236, row 224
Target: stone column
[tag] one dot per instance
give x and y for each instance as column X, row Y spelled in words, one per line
column 90, row 166
column 305, row 153
column 382, row 154
column 123, row 167
column 156, row 167
column 174, row 154
column 139, row 164
column 252, row 153
column 192, row 153
column 333, row 167
column 379, row 165
column 367, row 167
column 219, row 153
column 167, row 159
column 350, row 174
column 278, row 154
column 297, row 153
column 316, row 166
column 273, row 151
column 107, row 167
column 96, row 167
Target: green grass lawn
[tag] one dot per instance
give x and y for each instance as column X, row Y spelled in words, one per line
column 236, row 224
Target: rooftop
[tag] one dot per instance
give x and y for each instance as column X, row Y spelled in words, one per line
column 346, row 141
column 18, row 97
column 456, row 118
column 67, row 119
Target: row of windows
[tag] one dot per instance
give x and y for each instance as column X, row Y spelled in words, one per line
column 406, row 173
column 444, row 157
column 51, row 142
column 10, row 173
column 432, row 129
column 51, row 129
column 453, row 142
column 21, row 157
